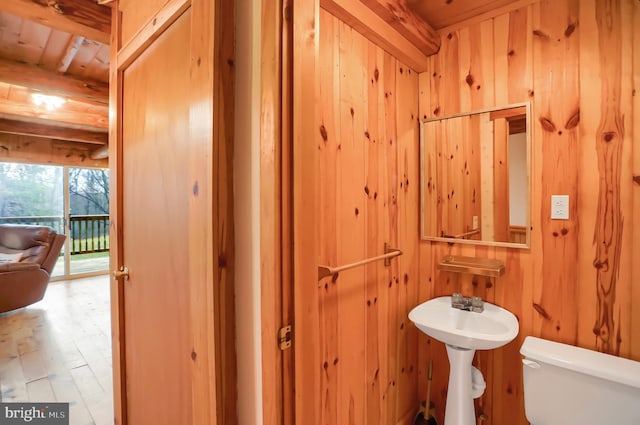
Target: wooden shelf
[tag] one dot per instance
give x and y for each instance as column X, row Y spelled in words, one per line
column 479, row 266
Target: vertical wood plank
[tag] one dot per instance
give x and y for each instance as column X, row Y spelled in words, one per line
column 391, row 294
column 612, row 260
column 556, row 71
column 307, row 359
column 635, row 134
column 352, row 194
column 271, row 207
column 606, row 254
column 329, row 144
column 386, row 225
column 425, row 273
column 407, row 127
column 375, row 233
column 590, row 105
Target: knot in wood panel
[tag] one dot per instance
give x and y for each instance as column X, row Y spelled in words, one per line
column 323, row 133
column 541, row 311
column 573, row 120
column 570, row 29
column 547, row 124
column 541, row 34
column 601, row 265
column 469, row 79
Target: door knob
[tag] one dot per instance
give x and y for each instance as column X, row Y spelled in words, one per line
column 123, row 273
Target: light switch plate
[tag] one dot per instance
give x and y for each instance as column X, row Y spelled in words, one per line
column 560, row 207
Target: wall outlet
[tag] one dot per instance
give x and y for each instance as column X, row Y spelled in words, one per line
column 560, row 207
column 475, row 222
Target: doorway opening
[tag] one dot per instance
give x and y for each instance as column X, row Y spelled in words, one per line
column 72, row 200
column 59, row 348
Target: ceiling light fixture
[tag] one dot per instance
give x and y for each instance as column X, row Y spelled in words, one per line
column 49, row 102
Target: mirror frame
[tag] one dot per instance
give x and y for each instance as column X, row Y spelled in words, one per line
column 423, row 205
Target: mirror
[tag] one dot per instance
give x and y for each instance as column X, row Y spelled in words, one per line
column 475, row 177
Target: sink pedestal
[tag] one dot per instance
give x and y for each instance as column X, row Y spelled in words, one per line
column 459, row 408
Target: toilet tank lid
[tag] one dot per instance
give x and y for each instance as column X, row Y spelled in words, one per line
column 581, row 360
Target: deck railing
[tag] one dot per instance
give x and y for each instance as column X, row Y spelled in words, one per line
column 87, row 233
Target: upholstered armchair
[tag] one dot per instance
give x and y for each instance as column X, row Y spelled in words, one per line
column 27, row 257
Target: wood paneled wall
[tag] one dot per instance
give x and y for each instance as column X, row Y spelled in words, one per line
column 367, row 165
column 578, row 64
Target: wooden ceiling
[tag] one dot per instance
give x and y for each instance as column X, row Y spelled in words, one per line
column 56, row 48
column 444, row 13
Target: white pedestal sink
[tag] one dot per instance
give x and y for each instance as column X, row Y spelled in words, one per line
column 463, row 332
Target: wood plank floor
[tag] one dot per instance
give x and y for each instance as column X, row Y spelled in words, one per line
column 59, row 349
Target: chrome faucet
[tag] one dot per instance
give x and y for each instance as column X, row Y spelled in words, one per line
column 474, row 304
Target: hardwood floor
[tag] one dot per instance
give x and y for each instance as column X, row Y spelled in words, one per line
column 59, row 349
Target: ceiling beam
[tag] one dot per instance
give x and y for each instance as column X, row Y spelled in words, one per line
column 39, row 150
column 80, row 17
column 53, row 132
column 397, row 14
column 100, row 153
column 52, row 83
column 20, row 111
column 72, row 50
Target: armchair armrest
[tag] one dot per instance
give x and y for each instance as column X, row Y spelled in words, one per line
column 14, row 267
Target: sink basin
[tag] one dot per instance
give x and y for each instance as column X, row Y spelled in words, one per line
column 492, row 328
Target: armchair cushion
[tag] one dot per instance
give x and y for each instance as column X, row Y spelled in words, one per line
column 10, row 258
column 33, row 242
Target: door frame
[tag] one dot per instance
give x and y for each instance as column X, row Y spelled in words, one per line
column 210, row 206
column 291, row 393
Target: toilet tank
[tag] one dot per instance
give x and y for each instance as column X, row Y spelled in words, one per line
column 567, row 385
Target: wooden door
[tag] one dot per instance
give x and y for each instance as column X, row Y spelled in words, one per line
column 155, row 242
column 170, row 158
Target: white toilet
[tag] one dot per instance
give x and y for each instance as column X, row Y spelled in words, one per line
column 567, row 385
